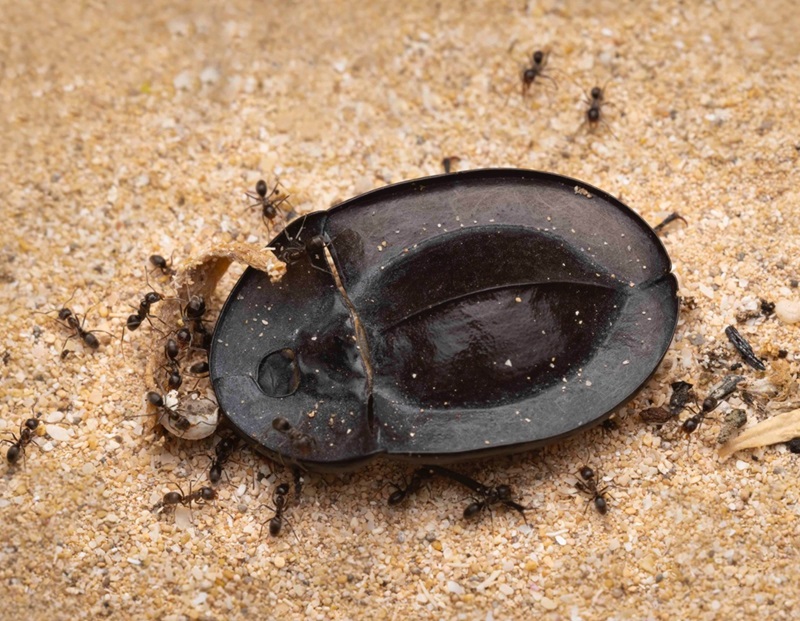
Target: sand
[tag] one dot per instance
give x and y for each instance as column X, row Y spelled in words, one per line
column 127, row 131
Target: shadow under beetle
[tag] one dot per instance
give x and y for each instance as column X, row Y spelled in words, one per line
column 450, row 318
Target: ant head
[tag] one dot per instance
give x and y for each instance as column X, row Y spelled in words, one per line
column 538, row 57
column 64, row 314
column 261, row 188
column 196, row 307
column 503, row 492
column 597, row 93
column 586, row 473
column 690, row 425
column 281, row 424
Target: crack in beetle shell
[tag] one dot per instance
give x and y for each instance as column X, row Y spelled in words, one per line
column 445, row 319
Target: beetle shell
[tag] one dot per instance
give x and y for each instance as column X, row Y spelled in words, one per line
column 480, row 313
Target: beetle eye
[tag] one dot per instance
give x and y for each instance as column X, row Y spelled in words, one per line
column 278, row 373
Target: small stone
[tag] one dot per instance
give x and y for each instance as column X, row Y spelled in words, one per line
column 279, row 562
column 58, row 433
column 437, row 545
column 788, row 311
column 548, row 604
column 183, row 81
column 454, row 587
column 209, row 75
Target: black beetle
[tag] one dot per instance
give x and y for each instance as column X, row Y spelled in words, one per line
column 443, row 319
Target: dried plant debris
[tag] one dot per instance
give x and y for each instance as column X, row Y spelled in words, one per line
column 780, row 428
column 743, row 347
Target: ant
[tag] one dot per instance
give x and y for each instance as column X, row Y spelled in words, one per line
column 72, row 321
column 276, row 521
column 26, row 433
column 295, row 249
column 400, row 494
column 589, row 487
column 300, row 441
column 710, row 403
column 501, row 494
column 179, row 421
column 135, row 320
column 223, row 451
column 173, row 498
column 596, row 100
column 160, row 263
column 491, row 496
column 269, row 206
column 535, row 70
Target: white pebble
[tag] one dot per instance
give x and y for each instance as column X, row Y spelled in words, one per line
column 58, row 433
column 183, row 81
column 788, row 311
column 741, row 465
column 454, row 587
column 54, row 417
column 209, row 75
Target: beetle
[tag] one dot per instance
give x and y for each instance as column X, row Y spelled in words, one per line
column 445, row 319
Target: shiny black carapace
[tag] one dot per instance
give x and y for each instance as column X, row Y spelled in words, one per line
column 444, row 319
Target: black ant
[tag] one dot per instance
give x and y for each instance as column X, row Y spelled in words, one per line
column 143, row 312
column 269, row 206
column 589, row 487
column 535, row 70
column 401, row 493
column 491, row 496
column 596, row 100
column 295, row 249
column 160, row 263
column 177, row 420
column 276, row 521
column 711, row 402
column 72, row 321
column 223, row 451
column 26, row 434
column 173, row 498
column 300, row 441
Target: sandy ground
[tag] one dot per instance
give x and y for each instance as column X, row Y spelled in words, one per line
column 127, row 131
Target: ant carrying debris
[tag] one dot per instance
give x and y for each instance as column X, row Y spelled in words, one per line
column 264, row 198
column 589, row 487
column 26, row 433
column 535, row 70
column 300, row 441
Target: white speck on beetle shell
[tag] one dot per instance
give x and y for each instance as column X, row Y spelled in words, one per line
column 508, row 363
